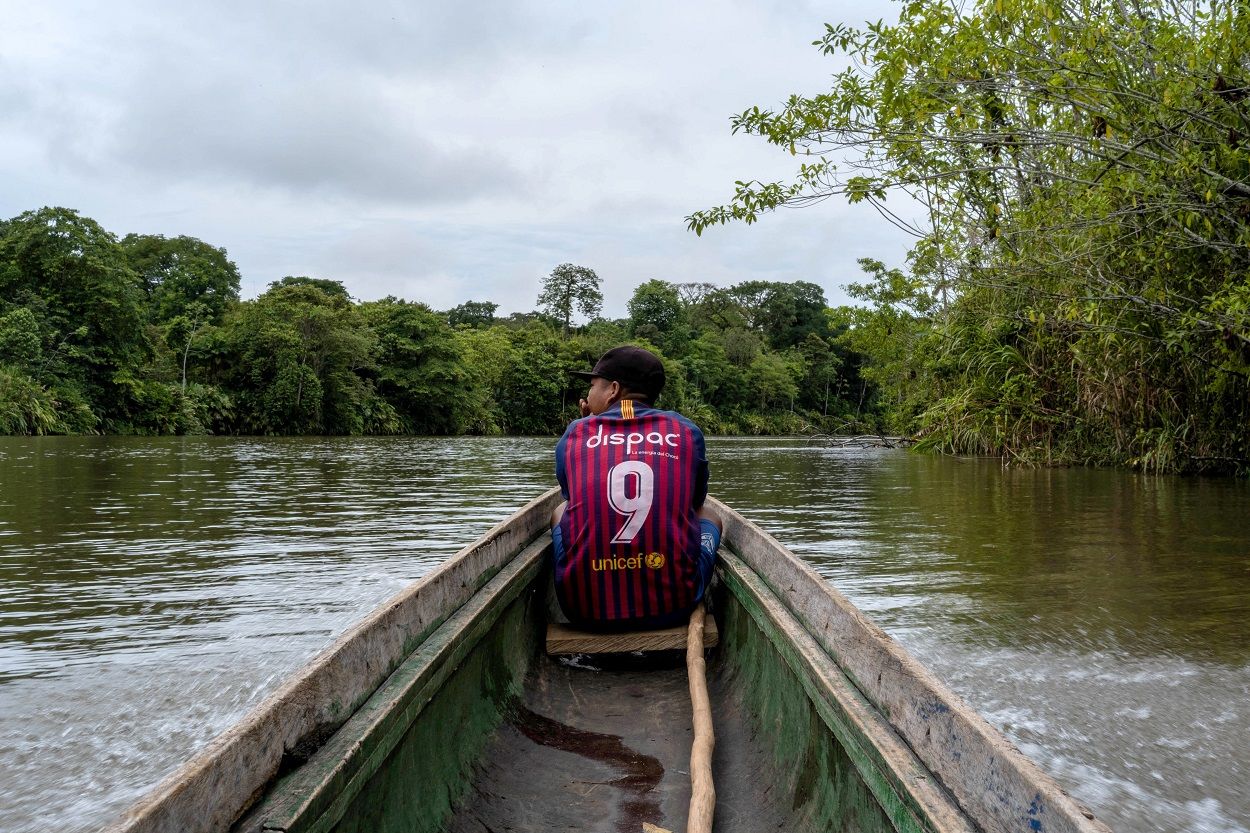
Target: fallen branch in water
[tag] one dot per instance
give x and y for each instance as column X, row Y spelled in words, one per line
column 859, row 441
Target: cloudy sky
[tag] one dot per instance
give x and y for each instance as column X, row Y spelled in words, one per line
column 439, row 152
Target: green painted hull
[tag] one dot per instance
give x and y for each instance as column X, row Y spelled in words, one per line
column 462, row 724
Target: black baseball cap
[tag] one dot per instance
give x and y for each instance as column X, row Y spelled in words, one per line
column 637, row 369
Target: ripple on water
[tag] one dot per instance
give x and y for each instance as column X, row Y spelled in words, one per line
column 185, row 578
column 1096, row 617
column 162, row 587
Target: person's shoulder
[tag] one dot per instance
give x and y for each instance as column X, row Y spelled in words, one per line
column 683, row 419
column 571, row 427
column 586, row 423
column 688, row 422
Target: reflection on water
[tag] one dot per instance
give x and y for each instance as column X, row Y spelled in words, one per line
column 1079, row 559
column 155, row 589
column 1099, row 618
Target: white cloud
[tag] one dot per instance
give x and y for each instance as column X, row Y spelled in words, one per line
column 438, row 152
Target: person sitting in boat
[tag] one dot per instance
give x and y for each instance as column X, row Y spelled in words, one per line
column 633, row 549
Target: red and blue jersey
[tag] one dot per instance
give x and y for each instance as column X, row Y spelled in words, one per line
column 635, row 478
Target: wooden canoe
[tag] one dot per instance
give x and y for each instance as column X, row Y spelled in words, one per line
column 441, row 711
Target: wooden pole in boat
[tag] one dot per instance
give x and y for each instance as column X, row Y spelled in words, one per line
column 702, row 790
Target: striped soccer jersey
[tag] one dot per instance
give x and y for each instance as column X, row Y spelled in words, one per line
column 634, row 478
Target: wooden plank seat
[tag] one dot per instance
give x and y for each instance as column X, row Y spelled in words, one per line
column 564, row 639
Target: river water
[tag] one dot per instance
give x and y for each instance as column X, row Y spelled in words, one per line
column 155, row 589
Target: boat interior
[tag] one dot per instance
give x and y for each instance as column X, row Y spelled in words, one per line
column 512, row 739
column 821, row 721
column 603, row 743
column 443, row 711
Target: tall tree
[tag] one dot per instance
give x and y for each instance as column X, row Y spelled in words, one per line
column 182, row 330
column 180, row 272
column 73, row 277
column 300, row 351
column 419, row 369
column 532, row 383
column 332, row 288
column 694, row 292
column 1085, row 169
column 570, row 287
column 793, row 311
column 472, row 314
column 657, row 314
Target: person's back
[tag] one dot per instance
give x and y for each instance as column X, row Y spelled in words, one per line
column 630, row 548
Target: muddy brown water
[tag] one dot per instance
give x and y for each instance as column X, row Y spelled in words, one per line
column 154, row 589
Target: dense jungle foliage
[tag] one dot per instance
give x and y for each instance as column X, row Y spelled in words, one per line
column 1080, row 286
column 147, row 335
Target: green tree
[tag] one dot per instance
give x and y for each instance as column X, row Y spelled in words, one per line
column 327, row 286
column 420, row 371
column 73, row 277
column 20, row 342
column 742, row 347
column 26, row 407
column 822, row 380
column 472, row 314
column 895, row 330
column 148, row 336
column 525, row 320
column 751, row 298
column 571, row 287
column 713, row 375
column 791, row 312
column 179, row 272
column 487, row 355
column 774, row 379
column 299, row 354
column 181, row 331
column 717, row 309
column 1085, row 173
column 532, row 389
column 657, row 314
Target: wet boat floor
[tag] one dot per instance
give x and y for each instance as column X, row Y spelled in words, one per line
column 609, row 749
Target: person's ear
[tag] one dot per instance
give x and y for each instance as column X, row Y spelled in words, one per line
column 614, row 392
